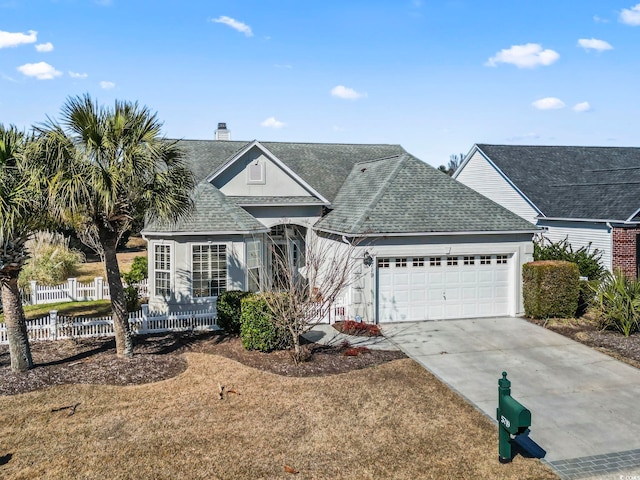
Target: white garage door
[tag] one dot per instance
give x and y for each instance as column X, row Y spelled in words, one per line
column 437, row 288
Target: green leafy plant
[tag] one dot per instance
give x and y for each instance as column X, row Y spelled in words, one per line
column 589, row 262
column 258, row 330
column 131, row 297
column 551, row 288
column 619, row 303
column 229, row 307
column 139, row 271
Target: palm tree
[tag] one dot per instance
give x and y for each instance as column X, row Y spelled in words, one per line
column 107, row 166
column 19, row 199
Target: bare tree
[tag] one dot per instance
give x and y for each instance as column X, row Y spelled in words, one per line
column 305, row 284
column 453, row 165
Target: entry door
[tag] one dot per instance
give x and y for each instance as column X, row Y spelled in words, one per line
column 447, row 287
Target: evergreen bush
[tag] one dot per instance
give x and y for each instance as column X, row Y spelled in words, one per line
column 258, row 330
column 589, row 262
column 551, row 288
column 229, row 309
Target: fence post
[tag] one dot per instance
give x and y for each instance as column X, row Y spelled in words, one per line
column 34, row 292
column 97, row 282
column 72, row 293
column 53, row 324
column 145, row 318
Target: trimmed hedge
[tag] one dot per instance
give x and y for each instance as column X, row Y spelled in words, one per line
column 551, row 288
column 229, row 309
column 258, row 331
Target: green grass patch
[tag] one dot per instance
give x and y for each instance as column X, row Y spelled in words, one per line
column 96, row 308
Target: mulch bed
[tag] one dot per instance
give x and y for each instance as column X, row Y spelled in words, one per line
column 585, row 330
column 159, row 357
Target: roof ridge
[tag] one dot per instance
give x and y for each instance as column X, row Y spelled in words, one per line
column 382, row 190
column 553, row 146
column 372, row 160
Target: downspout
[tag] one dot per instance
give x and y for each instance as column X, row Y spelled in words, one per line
column 610, row 227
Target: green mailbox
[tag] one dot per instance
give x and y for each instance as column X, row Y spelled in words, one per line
column 513, row 419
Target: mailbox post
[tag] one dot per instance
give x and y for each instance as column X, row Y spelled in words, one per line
column 513, row 419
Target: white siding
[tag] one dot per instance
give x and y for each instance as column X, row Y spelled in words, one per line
column 580, row 234
column 483, row 177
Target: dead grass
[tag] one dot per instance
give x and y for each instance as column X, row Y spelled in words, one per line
column 390, row 421
column 89, row 270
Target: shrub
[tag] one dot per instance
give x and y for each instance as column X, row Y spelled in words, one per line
column 589, row 262
column 619, row 303
column 258, row 331
column 51, row 260
column 138, row 272
column 550, row 289
column 351, row 327
column 131, row 297
column 229, row 308
column 355, row 351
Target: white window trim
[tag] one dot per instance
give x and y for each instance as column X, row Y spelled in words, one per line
column 208, row 244
column 171, row 266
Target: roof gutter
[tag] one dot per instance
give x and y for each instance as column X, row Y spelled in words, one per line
column 185, row 234
column 589, row 220
column 428, row 234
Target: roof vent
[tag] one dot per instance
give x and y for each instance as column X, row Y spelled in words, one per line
column 222, row 133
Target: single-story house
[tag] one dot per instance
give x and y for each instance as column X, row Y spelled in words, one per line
column 430, row 247
column 589, row 195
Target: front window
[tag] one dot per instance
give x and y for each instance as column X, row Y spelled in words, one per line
column 162, row 269
column 254, row 265
column 209, row 264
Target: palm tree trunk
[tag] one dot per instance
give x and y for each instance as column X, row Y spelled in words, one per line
column 124, row 341
column 19, row 349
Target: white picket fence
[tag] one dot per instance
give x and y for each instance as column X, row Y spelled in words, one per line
column 55, row 327
column 74, row 291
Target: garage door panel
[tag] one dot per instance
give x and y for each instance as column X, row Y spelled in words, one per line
column 457, row 287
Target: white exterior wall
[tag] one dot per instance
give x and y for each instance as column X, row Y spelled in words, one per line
column 518, row 246
column 580, row 234
column 480, row 175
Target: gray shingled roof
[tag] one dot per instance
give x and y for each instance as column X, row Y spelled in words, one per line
column 402, row 194
column 324, row 166
column 213, row 213
column 573, row 182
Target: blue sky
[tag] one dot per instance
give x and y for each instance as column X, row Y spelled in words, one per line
column 433, row 76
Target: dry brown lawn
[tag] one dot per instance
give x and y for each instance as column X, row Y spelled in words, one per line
column 392, row 421
column 89, row 270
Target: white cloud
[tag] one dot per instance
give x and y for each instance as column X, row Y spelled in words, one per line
column 598, row 19
column 40, row 70
column 548, row 103
column 271, row 122
column 44, row 47
column 631, row 16
column 8, row 39
column 78, row 75
column 529, row 55
column 347, row 93
column 594, row 44
column 107, row 85
column 582, row 107
column 235, row 24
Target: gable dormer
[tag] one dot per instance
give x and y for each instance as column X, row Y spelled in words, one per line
column 254, row 171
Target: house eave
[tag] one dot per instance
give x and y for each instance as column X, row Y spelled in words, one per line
column 200, row 233
column 589, row 220
column 430, row 234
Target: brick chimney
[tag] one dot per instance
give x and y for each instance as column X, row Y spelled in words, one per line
column 222, row 133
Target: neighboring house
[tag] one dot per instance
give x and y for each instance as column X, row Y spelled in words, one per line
column 590, row 195
column 431, row 248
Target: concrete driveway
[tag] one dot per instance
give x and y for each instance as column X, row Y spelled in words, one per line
column 585, row 406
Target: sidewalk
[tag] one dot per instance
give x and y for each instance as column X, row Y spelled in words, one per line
column 327, row 335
